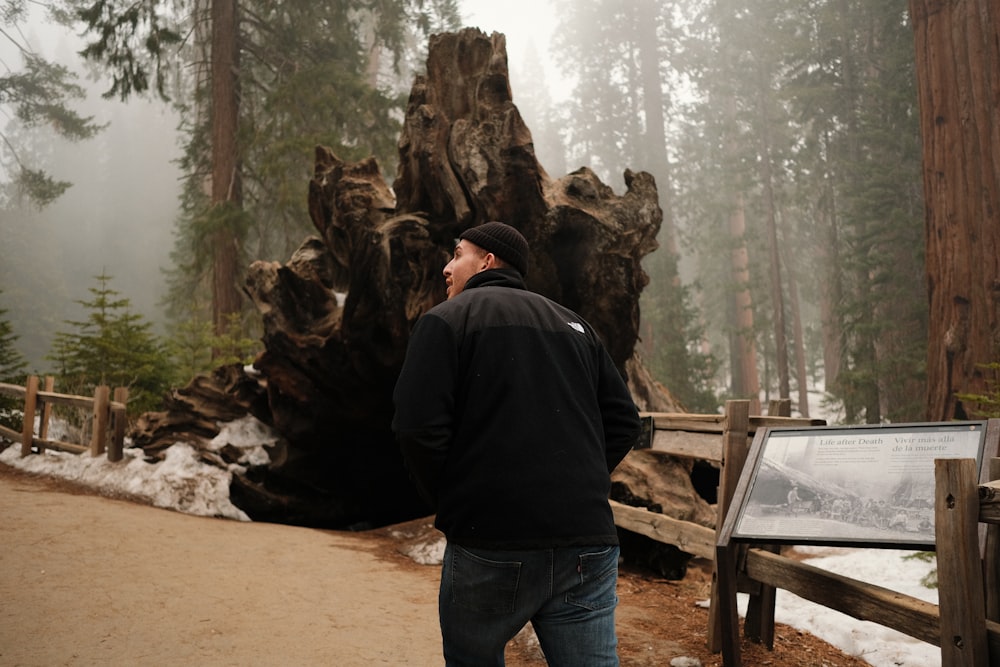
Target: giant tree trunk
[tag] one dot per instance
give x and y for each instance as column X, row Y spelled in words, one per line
column 798, row 339
column 831, row 289
column 745, row 379
column 227, row 186
column 766, row 171
column 958, row 52
column 337, row 315
column 742, row 350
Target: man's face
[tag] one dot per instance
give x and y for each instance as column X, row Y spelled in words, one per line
column 469, row 259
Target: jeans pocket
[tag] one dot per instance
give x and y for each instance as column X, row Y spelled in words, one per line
column 483, row 585
column 598, row 580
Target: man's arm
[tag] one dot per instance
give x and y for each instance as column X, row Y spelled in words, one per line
column 424, row 400
column 618, row 413
column 424, row 455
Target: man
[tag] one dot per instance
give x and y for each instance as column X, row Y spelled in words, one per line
column 511, row 416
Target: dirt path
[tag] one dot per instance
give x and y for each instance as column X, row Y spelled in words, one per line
column 87, row 580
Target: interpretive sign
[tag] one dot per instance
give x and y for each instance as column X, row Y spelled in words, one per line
column 858, row 485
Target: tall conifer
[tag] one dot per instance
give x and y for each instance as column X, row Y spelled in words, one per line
column 113, row 346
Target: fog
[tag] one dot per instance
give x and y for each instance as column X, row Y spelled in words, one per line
column 743, row 151
column 536, row 82
column 118, row 217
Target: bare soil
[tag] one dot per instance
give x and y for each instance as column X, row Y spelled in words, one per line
column 91, row 580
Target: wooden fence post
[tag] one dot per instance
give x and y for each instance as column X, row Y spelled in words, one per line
column 960, row 577
column 758, row 625
column 991, row 557
column 118, row 418
column 734, row 457
column 28, row 427
column 43, row 419
column 102, row 398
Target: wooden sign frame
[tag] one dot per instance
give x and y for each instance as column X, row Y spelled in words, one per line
column 855, row 598
column 860, row 486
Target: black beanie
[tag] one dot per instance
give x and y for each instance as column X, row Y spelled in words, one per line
column 503, row 241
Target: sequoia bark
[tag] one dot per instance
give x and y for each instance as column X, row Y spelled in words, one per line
column 958, row 78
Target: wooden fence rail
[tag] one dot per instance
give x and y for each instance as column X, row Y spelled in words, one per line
column 704, row 437
column 721, row 439
column 966, row 623
column 107, row 414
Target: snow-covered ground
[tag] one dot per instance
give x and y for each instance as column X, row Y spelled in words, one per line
column 181, row 481
column 184, row 483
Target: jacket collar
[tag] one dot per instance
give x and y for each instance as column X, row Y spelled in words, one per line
column 496, row 278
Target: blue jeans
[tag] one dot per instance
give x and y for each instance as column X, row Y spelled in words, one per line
column 568, row 594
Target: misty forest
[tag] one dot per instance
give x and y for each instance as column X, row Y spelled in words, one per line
column 824, row 168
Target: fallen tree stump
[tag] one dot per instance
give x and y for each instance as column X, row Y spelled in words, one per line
column 336, row 317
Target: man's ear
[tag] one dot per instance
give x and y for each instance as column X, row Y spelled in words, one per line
column 491, row 261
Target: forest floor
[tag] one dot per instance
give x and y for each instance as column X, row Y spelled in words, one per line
column 91, row 580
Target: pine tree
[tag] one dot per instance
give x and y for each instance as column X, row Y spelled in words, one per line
column 854, row 90
column 12, row 364
column 678, row 360
column 299, row 74
column 112, row 346
column 621, row 54
column 802, row 120
column 987, row 404
column 193, row 344
column 12, row 370
column 37, row 95
column 190, row 347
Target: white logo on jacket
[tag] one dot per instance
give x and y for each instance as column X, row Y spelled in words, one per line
column 577, row 326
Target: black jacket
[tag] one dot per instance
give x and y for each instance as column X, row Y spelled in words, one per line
column 511, row 416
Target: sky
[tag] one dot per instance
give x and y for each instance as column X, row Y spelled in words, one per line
column 527, row 25
column 185, row 484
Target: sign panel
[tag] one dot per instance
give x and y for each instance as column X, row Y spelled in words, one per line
column 857, row 485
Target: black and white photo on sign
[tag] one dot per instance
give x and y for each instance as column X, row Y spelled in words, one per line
column 854, row 484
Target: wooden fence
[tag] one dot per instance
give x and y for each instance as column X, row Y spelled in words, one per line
column 106, row 414
column 705, row 437
column 725, row 441
column 966, row 623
